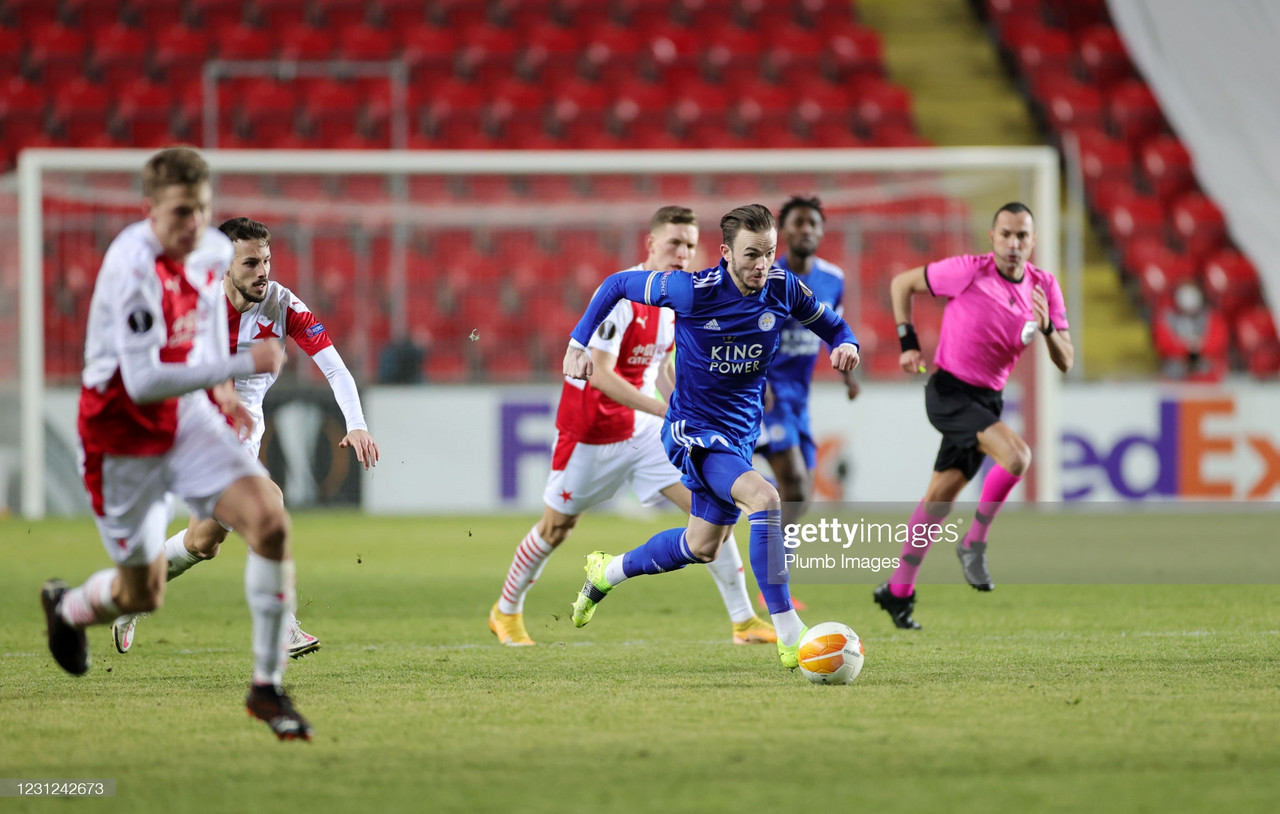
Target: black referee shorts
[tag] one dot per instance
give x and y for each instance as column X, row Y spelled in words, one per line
column 960, row 411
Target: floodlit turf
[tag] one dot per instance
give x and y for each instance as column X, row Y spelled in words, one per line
column 1032, row 698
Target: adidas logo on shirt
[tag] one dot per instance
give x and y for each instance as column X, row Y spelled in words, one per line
column 711, row 325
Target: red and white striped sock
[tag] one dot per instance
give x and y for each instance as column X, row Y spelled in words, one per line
column 90, row 603
column 526, row 565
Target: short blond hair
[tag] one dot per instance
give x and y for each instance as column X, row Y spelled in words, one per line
column 174, row 166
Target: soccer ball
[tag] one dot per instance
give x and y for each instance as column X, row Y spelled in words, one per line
column 831, row 653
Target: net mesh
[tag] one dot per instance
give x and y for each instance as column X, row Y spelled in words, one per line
column 479, row 278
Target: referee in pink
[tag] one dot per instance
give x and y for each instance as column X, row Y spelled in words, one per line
column 998, row 304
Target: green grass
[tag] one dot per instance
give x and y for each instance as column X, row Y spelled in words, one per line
column 1032, row 698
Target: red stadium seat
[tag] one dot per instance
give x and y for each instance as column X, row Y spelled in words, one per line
column 57, row 53
column 304, row 43
column 156, row 15
column 80, row 110
column 27, row 15
column 1076, row 14
column 23, row 106
column 1254, row 329
column 1103, row 59
column 145, row 115
column 341, row 15
column 245, row 43
column 269, row 110
column 1136, row 218
column 1160, row 273
column 278, row 15
column 364, row 43
column 93, row 15
column 119, row 55
column 330, row 108
column 1230, row 281
column 488, row 54
column 215, row 14
column 854, row 52
column 179, row 54
column 1197, row 224
column 1133, row 113
column 1166, row 166
column 880, row 104
column 1071, row 105
column 1040, row 49
column 1103, row 158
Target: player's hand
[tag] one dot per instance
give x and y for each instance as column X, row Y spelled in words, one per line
column 577, row 364
column 1040, row 307
column 910, row 361
column 268, row 356
column 851, row 387
column 768, row 397
column 362, row 442
column 228, row 401
column 845, row 357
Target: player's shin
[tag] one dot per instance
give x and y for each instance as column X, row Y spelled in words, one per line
column 995, row 490
column 526, row 565
column 726, row 568
column 179, row 558
column 903, row 581
column 90, row 603
column 769, row 566
column 269, row 589
column 665, row 551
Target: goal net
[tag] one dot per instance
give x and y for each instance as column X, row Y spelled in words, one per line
column 471, row 267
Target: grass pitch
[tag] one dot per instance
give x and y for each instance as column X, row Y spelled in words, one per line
column 1032, row 698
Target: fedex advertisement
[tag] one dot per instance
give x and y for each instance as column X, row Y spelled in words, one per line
column 1151, row 443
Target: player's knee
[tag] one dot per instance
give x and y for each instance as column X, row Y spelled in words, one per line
column 763, row 498
column 793, row 488
column 268, row 532
column 144, row 598
column 555, row 532
column 705, row 551
column 1021, row 461
column 207, row 539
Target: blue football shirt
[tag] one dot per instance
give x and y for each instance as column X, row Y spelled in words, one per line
column 725, row 340
column 792, row 369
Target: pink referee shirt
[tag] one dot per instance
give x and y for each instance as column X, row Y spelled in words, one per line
column 989, row 321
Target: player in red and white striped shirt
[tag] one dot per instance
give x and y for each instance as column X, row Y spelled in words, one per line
column 156, row 341
column 607, row 436
column 262, row 309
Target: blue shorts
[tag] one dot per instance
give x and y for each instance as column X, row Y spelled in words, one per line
column 709, row 472
column 787, row 426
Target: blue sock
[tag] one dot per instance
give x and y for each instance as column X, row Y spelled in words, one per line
column 665, row 551
column 766, row 545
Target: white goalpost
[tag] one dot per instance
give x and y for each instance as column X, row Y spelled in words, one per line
column 419, row 235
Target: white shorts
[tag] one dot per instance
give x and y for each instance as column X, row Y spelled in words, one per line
column 583, row 475
column 205, row 459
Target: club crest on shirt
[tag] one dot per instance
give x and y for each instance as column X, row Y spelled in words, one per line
column 140, row 321
column 767, row 321
column 1029, row 331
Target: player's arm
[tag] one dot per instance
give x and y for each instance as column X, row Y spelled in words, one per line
column 310, row 334
column 140, row 333
column 665, row 288
column 605, row 378
column 827, row 324
column 851, row 386
column 666, row 382
column 902, row 288
column 1061, row 351
column 347, row 396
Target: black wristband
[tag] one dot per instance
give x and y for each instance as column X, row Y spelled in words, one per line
column 1049, row 330
column 907, row 339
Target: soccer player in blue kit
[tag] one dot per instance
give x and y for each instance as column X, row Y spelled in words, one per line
column 787, row 444
column 727, row 329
